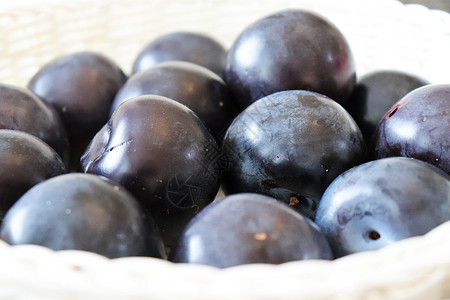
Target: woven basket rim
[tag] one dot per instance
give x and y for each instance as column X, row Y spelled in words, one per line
column 207, row 282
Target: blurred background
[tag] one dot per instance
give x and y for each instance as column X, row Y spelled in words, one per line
column 383, row 34
column 433, row 4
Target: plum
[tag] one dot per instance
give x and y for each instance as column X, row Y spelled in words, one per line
column 249, row 228
column 374, row 95
column 21, row 110
column 383, row 201
column 192, row 47
column 162, row 153
column 25, row 161
column 192, row 85
column 417, row 126
column 291, row 145
column 290, row 50
column 82, row 212
column 81, row 87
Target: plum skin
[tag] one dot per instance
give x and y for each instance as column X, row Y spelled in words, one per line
column 249, row 228
column 162, row 153
column 82, row 212
column 25, row 161
column 21, row 110
column 192, row 85
column 383, row 201
column 417, row 126
column 291, row 145
column 290, row 50
column 81, row 87
column 192, row 47
column 374, row 95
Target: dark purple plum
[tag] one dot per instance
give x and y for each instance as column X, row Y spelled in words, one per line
column 192, row 85
column 290, row 50
column 81, row 87
column 192, row 47
column 381, row 202
column 82, row 212
column 21, row 110
column 25, row 161
column 374, row 95
column 249, row 228
column 291, row 145
column 162, row 153
column 417, row 126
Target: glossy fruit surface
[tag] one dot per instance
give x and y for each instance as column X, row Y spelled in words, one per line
column 185, row 46
column 291, row 145
column 162, row 153
column 290, row 50
column 21, row 110
column 81, row 87
column 25, row 161
column 383, row 201
column 417, row 126
column 82, row 212
column 192, row 85
column 249, row 228
column 374, row 95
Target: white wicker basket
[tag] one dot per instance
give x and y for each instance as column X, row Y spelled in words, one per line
column 382, row 33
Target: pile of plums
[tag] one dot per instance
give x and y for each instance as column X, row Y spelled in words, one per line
column 314, row 163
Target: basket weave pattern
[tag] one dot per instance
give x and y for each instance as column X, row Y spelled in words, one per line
column 382, row 34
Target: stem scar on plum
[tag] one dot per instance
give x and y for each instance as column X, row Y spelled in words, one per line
column 260, row 236
column 293, row 201
column 374, row 235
